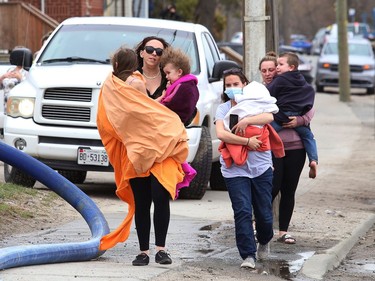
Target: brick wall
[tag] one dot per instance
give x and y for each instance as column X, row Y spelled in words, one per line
column 63, row 9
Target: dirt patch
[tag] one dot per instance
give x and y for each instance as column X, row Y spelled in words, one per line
column 32, row 211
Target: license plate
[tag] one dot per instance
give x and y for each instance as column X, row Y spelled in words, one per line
column 88, row 156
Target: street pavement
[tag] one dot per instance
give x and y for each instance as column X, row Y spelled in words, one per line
column 193, row 221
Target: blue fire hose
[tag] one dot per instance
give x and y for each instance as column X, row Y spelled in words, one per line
column 54, row 253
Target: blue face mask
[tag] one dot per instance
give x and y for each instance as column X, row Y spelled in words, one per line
column 230, row 92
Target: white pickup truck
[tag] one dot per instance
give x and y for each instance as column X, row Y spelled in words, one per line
column 52, row 114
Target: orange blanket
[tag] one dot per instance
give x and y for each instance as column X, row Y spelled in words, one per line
column 239, row 153
column 141, row 136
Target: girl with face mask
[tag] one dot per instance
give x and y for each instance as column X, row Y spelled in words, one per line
column 249, row 183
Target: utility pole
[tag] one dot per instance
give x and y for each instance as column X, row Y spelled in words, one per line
column 272, row 26
column 344, row 71
column 254, row 34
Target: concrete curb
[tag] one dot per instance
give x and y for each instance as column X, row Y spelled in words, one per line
column 318, row 265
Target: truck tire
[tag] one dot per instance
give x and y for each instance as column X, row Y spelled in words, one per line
column 74, row 176
column 202, row 164
column 16, row 176
column 216, row 179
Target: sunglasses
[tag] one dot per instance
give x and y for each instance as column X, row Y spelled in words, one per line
column 150, row 50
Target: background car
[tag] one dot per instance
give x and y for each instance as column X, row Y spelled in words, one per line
column 361, row 63
column 355, row 29
column 237, row 37
column 300, row 41
column 317, row 43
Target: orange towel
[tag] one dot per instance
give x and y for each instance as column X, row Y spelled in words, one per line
column 141, row 136
column 239, row 153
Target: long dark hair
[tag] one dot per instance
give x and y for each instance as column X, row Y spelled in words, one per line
column 140, row 47
column 233, row 71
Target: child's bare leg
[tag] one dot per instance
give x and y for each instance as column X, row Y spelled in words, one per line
column 313, row 169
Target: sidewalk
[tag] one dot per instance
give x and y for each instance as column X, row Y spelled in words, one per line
column 202, row 230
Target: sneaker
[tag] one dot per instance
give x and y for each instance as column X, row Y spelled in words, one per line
column 141, row 259
column 163, row 257
column 248, row 263
column 263, row 251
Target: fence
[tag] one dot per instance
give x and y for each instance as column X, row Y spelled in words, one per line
column 22, row 25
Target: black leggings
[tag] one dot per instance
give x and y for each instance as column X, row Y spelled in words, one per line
column 148, row 190
column 285, row 180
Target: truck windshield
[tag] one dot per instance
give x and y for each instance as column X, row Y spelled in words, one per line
column 96, row 43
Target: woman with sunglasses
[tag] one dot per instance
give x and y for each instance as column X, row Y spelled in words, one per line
column 149, row 52
column 250, row 184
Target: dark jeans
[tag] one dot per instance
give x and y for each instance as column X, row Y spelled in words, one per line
column 148, row 190
column 286, row 174
column 247, row 194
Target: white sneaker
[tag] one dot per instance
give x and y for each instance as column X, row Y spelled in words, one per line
column 263, row 251
column 249, row 263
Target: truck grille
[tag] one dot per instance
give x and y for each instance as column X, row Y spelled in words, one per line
column 67, row 112
column 69, row 94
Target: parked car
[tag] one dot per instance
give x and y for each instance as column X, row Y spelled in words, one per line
column 237, row 37
column 361, row 63
column 355, row 29
column 305, row 67
column 317, row 43
column 300, row 41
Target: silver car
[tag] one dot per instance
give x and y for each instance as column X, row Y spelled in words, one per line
column 361, row 62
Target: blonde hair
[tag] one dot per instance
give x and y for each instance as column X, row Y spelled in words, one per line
column 270, row 56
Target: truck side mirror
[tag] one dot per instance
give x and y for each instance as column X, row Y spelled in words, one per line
column 219, row 67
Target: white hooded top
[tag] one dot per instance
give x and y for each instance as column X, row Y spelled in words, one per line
column 255, row 99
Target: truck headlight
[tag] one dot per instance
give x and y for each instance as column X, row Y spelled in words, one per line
column 20, row 107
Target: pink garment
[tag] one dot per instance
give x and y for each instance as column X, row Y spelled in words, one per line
column 170, row 92
column 190, row 174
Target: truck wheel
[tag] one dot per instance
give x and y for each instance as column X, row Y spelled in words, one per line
column 74, row 176
column 202, row 164
column 216, row 179
column 16, row 176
